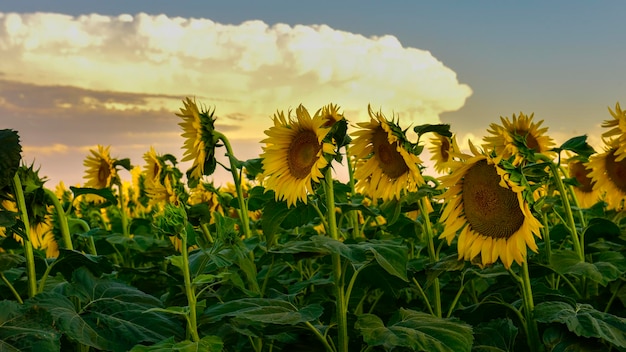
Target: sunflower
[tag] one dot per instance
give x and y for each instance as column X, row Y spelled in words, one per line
column 153, row 167
column 608, row 172
column 442, row 150
column 293, row 156
column 585, row 193
column 618, row 130
column 200, row 142
column 518, row 137
column 490, row 211
column 384, row 166
column 330, row 114
column 100, row 171
column 162, row 193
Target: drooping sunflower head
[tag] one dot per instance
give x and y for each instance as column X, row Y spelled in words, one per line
column 585, row 193
column 519, row 137
column 618, row 129
column 330, row 114
column 442, row 151
column 294, row 155
column 608, row 174
column 101, row 172
column 385, row 166
column 200, row 140
column 153, row 167
column 490, row 211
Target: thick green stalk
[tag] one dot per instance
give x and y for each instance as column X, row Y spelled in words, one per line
column 189, row 290
column 431, row 252
column 341, row 304
column 532, row 333
column 354, row 217
column 243, row 206
column 123, row 212
column 8, row 283
column 28, row 245
column 571, row 224
column 62, row 218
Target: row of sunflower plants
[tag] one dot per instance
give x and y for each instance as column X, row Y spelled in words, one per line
column 515, row 244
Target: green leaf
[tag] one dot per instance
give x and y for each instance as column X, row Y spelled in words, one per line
column 206, row 344
column 10, row 156
column 390, row 255
column 26, row 329
column 601, row 228
column 441, row 129
column 608, row 266
column 495, row 335
column 105, row 193
column 108, row 315
column 70, row 260
column 125, row 163
column 264, row 310
column 577, row 145
column 8, row 261
column 584, row 320
column 416, row 330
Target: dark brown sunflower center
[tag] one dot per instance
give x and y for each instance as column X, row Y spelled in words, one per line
column 616, row 171
column 531, row 141
column 103, row 172
column 302, row 154
column 491, row 210
column 578, row 171
column 445, row 149
column 390, row 160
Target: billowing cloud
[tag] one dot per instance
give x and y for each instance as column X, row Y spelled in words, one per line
column 128, row 68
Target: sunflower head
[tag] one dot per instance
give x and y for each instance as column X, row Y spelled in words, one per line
column 153, row 167
column 617, row 130
column 442, row 150
column 338, row 125
column 490, row 211
column 386, row 166
column 101, row 171
column 200, row 140
column 608, row 174
column 520, row 138
column 295, row 155
column 584, row 190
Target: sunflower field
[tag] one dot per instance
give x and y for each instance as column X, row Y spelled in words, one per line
column 518, row 244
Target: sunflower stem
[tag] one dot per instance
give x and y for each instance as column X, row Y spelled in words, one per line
column 532, row 332
column 234, row 170
column 354, row 217
column 8, row 283
column 568, row 212
column 123, row 211
column 341, row 304
column 65, row 229
column 431, row 252
column 28, row 245
column 189, row 290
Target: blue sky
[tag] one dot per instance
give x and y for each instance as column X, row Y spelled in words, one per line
column 562, row 60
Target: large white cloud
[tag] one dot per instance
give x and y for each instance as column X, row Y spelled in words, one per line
column 250, row 69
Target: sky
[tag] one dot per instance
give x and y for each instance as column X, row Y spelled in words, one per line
column 75, row 73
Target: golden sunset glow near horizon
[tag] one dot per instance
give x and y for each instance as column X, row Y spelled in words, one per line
column 70, row 81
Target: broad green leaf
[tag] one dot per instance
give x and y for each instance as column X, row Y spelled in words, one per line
column 108, row 315
column 105, row 193
column 70, row 260
column 442, row 129
column 416, row 330
column 556, row 338
column 26, row 329
column 206, row 344
column 608, row 266
column 390, row 255
column 8, row 261
column 495, row 335
column 601, row 228
column 584, row 320
column 264, row 310
column 577, row 145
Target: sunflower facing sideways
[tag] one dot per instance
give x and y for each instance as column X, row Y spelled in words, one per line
column 100, row 171
column 608, row 172
column 517, row 137
column 384, row 167
column 618, row 129
column 585, row 192
column 442, row 149
column 490, row 211
column 200, row 142
column 293, row 156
